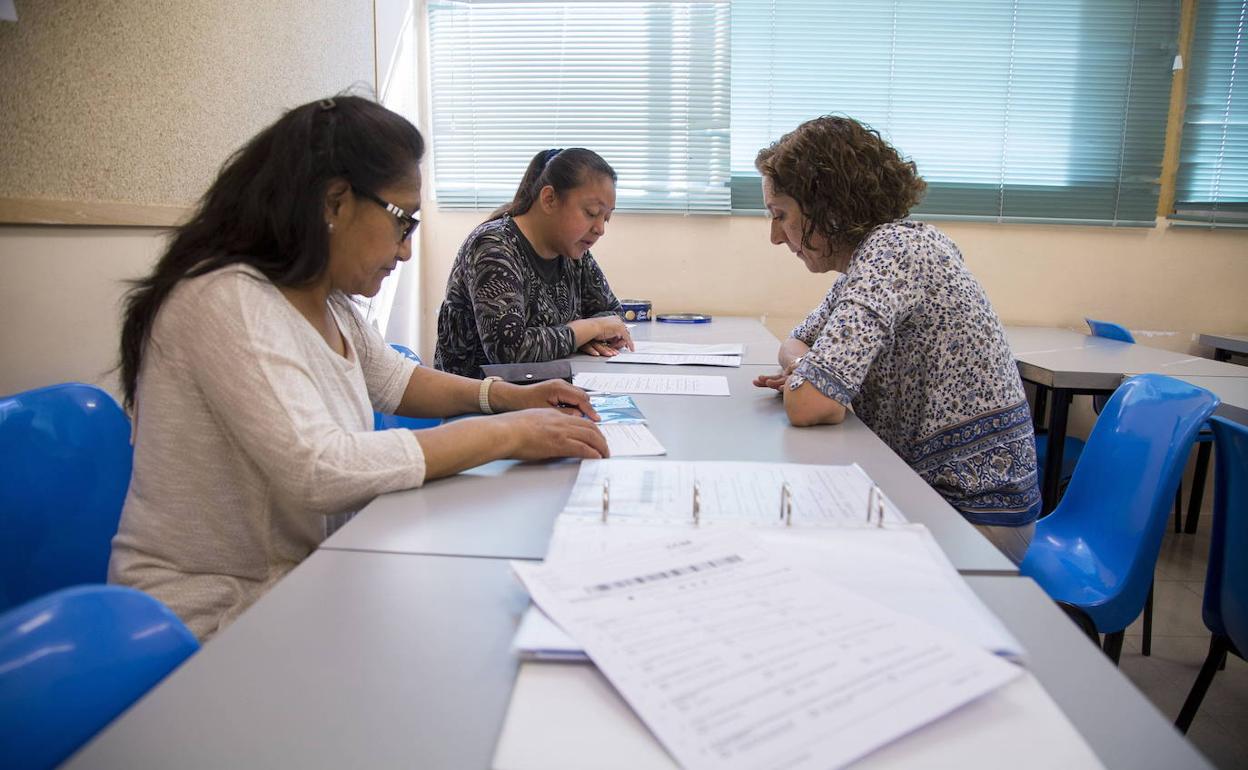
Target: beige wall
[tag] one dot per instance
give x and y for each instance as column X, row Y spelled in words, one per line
column 1173, row 281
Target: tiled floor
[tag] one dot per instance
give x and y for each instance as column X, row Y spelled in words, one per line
column 1180, row 641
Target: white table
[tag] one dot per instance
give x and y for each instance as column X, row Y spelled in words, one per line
column 389, row 660
column 1225, row 344
column 506, row 509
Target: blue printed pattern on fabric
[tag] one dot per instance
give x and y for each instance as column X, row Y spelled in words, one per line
column 908, row 339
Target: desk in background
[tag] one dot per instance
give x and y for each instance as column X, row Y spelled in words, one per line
column 1063, row 364
column 1224, row 345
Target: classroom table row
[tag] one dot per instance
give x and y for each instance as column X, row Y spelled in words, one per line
column 390, row 646
column 1063, row 364
column 365, row 659
column 507, row 509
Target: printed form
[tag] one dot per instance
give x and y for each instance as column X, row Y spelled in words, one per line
column 672, row 384
column 735, row 659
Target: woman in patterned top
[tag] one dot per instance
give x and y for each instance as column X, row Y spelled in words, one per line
column 524, row 286
column 906, row 336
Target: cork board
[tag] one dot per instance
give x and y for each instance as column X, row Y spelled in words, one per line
column 129, row 107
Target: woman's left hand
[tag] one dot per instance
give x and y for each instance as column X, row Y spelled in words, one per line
column 558, row 394
column 599, row 348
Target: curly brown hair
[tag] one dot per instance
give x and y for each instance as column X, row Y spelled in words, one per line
column 845, row 178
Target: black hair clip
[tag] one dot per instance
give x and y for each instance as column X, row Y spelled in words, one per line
column 326, row 104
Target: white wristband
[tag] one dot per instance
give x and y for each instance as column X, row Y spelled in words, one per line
column 483, row 395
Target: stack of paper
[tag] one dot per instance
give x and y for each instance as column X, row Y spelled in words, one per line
column 735, row 657
column 680, row 353
column 670, row 384
column 623, row 426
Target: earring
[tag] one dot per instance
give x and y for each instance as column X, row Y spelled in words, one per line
column 331, row 226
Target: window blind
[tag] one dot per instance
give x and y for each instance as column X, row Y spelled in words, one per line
column 1212, row 183
column 1050, row 110
column 644, row 84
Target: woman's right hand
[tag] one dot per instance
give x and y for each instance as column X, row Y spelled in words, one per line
column 540, row 434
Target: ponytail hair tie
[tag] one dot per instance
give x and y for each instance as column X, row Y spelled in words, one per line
column 326, row 105
column 550, row 155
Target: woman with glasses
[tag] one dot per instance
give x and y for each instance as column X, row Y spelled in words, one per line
column 524, row 286
column 906, row 336
column 252, row 377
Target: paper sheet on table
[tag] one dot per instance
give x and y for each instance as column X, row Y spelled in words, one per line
column 658, row 492
column 900, row 566
column 566, row 716
column 672, row 384
column 624, row 357
column 736, row 659
column 688, row 348
column 631, row 440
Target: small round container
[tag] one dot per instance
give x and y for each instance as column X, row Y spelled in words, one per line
column 635, row 309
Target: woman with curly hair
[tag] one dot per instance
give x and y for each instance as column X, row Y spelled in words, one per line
column 906, row 336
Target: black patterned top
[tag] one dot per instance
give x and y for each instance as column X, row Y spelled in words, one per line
column 505, row 304
column 908, row 338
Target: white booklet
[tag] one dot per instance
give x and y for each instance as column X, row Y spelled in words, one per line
column 735, row 657
column 626, row 439
column 671, row 384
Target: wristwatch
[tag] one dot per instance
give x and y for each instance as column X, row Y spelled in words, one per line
column 483, row 395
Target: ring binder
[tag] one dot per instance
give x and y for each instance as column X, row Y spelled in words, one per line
column 875, row 504
column 697, row 504
column 786, row 504
column 606, row 499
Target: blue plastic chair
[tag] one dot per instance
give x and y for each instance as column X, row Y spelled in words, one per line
column 71, row 661
column 1226, row 582
column 65, row 460
column 1097, row 550
column 389, row 421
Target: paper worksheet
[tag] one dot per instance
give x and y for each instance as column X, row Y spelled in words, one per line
column 677, row 384
column 900, row 566
column 659, row 492
column 631, row 440
column 688, row 348
column 625, row 357
column 735, row 659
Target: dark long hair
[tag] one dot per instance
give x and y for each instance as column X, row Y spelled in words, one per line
column 266, row 207
column 561, row 169
column 845, row 178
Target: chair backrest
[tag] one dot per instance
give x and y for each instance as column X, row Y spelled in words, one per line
column 1226, row 585
column 72, row 660
column 388, row 421
column 1109, row 330
column 1114, row 512
column 65, row 460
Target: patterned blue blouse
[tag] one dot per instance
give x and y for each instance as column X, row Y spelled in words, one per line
column 908, row 338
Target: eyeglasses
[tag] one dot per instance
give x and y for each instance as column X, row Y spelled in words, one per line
column 407, row 222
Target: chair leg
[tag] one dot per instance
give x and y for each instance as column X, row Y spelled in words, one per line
column 1146, row 644
column 1217, row 653
column 1081, row 619
column 1113, row 646
column 1198, row 486
column 1178, row 510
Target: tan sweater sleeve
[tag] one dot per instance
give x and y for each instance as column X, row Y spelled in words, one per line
column 270, row 397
